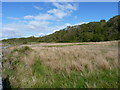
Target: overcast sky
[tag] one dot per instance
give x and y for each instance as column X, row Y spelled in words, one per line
column 24, row 19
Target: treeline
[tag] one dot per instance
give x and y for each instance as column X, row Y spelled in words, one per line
column 90, row 32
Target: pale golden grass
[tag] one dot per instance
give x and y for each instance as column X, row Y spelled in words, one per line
column 52, row 44
column 102, row 55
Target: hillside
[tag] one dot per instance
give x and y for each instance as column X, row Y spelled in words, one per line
column 90, row 32
column 93, row 31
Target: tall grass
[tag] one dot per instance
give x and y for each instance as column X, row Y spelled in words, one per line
column 77, row 66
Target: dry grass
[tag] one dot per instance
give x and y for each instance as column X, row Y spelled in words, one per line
column 54, row 62
column 101, row 55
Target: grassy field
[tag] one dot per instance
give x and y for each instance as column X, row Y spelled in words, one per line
column 62, row 65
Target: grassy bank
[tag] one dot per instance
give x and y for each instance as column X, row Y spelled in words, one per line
column 75, row 66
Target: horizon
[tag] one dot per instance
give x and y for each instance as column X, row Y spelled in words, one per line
column 44, row 18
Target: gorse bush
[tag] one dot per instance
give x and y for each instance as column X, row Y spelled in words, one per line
column 25, row 42
column 22, row 50
column 25, row 48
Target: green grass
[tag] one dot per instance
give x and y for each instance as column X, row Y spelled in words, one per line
column 48, row 78
column 38, row 68
column 98, row 79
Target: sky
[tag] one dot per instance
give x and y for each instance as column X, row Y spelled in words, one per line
column 25, row 19
column 60, row 0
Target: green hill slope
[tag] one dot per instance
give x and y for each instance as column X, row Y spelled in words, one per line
column 93, row 31
column 90, row 32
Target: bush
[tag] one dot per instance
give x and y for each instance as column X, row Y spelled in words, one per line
column 25, row 42
column 23, row 49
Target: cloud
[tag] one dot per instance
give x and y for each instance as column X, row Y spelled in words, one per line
column 13, row 18
column 63, row 0
column 65, row 6
column 10, row 31
column 38, row 25
column 10, row 34
column 75, row 17
column 40, row 17
column 58, row 13
column 24, row 29
column 28, row 17
column 62, row 10
column 32, row 28
column 37, row 7
column 40, row 34
column 44, row 17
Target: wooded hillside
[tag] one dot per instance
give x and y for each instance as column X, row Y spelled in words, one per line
column 90, row 32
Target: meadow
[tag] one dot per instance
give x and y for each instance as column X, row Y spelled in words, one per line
column 62, row 65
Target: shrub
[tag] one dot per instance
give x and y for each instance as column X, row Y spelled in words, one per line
column 25, row 48
column 25, row 42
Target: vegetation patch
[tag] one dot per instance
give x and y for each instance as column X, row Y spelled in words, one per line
column 61, row 67
column 38, row 68
column 66, row 45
